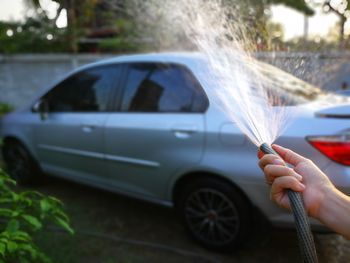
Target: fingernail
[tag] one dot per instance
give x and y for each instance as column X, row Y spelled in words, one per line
column 278, row 162
column 302, row 186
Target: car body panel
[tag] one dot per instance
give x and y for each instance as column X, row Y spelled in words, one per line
column 144, row 155
column 73, row 141
column 139, row 147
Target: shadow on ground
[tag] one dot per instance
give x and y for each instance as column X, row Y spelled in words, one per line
column 112, row 228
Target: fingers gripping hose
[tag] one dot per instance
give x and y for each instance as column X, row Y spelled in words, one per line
column 305, row 238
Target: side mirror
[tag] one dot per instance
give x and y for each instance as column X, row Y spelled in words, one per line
column 42, row 107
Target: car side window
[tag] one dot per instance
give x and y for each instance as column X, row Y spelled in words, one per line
column 85, row 91
column 156, row 87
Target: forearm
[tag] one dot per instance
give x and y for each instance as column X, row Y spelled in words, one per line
column 335, row 212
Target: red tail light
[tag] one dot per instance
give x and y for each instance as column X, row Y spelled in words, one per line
column 336, row 148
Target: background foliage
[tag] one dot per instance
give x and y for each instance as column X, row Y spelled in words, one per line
column 21, row 215
column 111, row 26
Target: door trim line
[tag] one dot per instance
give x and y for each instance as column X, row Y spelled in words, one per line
column 132, row 161
column 71, row 151
column 101, row 156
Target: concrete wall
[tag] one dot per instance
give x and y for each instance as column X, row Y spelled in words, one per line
column 329, row 71
column 21, row 76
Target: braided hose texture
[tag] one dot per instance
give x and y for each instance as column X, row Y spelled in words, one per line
column 305, row 238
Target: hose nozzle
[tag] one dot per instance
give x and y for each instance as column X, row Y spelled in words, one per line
column 265, row 148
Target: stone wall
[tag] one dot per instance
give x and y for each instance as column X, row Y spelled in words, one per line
column 22, row 76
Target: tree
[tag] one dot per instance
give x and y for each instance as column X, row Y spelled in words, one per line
column 255, row 13
column 79, row 13
column 276, row 33
column 342, row 10
column 298, row 5
column 34, row 35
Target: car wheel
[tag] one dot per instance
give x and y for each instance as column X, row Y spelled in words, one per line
column 216, row 214
column 20, row 164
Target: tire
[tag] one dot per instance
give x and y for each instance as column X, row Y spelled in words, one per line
column 215, row 213
column 20, row 165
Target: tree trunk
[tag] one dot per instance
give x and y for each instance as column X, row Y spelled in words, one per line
column 72, row 26
column 341, row 30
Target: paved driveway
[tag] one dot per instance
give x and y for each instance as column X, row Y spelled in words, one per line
column 112, row 228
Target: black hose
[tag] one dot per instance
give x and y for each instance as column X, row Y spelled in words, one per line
column 305, row 238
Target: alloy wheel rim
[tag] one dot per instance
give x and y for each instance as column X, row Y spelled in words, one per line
column 212, row 217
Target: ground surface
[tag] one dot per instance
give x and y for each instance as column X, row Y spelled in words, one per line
column 96, row 212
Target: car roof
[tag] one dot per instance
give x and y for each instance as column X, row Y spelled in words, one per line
column 187, row 58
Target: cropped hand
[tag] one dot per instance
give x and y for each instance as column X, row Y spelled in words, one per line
column 302, row 176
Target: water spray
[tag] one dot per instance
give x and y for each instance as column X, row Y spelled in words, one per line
column 305, row 238
column 248, row 92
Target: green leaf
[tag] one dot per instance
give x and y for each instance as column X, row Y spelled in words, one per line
column 12, row 226
column 6, row 200
column 2, row 249
column 64, row 224
column 55, row 200
column 15, row 213
column 4, row 240
column 12, row 246
column 61, row 214
column 23, row 260
column 5, row 212
column 29, row 248
column 45, row 205
column 32, row 221
column 21, row 238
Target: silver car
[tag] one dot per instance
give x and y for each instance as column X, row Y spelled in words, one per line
column 147, row 126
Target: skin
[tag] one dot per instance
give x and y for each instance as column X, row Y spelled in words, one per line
column 321, row 199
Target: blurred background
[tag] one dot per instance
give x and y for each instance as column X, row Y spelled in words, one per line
column 41, row 40
column 309, row 39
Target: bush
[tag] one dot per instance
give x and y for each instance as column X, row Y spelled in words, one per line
column 5, row 108
column 117, row 44
column 21, row 215
column 34, row 35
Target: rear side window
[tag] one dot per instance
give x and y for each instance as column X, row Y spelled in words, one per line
column 154, row 87
column 86, row 91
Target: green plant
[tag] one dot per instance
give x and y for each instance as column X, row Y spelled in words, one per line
column 5, row 108
column 117, row 44
column 21, row 215
column 126, row 41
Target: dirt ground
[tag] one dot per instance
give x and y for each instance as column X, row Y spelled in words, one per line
column 112, row 228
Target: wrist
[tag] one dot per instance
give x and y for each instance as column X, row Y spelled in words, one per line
column 327, row 198
column 318, row 199
column 334, row 211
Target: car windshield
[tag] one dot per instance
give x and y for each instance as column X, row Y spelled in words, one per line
column 287, row 88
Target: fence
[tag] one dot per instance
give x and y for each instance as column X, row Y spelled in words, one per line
column 21, row 76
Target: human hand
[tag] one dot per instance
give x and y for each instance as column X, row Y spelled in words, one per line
column 303, row 177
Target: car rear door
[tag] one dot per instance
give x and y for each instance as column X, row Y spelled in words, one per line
column 157, row 129
column 69, row 140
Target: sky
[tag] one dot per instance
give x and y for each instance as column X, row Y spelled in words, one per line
column 319, row 24
column 15, row 10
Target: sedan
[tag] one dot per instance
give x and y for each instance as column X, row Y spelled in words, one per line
column 148, row 126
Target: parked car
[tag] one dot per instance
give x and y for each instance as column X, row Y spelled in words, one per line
column 343, row 92
column 148, row 126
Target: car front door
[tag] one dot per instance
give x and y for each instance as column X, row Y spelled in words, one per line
column 69, row 139
column 158, row 127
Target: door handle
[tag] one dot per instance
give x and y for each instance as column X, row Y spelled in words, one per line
column 88, row 127
column 184, row 132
